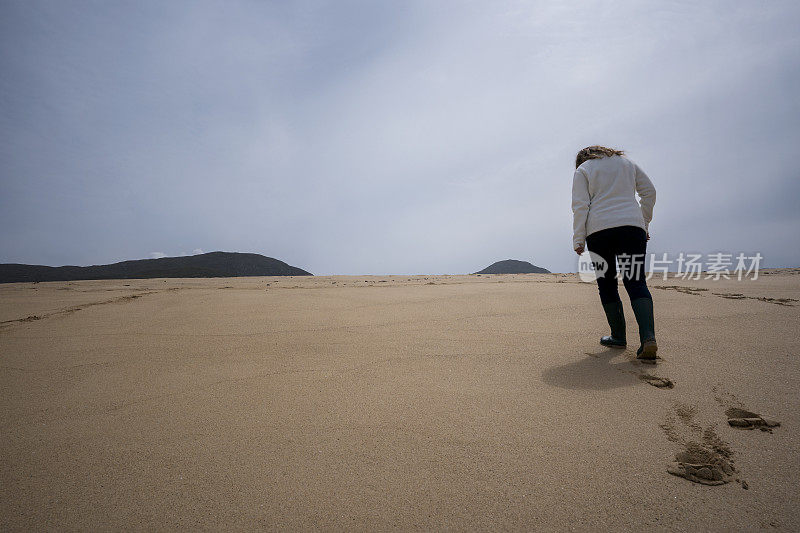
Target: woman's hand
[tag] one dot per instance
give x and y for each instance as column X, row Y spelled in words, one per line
column 648, row 235
column 579, row 249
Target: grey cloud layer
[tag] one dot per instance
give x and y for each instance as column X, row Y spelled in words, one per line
column 388, row 137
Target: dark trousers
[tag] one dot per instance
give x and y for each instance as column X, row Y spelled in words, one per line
column 629, row 244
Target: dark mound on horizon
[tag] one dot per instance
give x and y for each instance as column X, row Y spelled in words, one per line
column 210, row 265
column 512, row 266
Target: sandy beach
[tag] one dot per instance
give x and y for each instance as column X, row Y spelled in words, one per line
column 393, row 403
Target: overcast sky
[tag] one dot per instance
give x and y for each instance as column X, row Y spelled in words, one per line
column 389, row 137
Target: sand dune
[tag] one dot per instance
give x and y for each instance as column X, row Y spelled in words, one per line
column 397, row 402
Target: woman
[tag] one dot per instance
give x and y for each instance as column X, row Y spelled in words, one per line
column 614, row 225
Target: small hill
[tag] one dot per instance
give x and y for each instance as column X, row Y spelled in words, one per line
column 512, row 266
column 210, row 265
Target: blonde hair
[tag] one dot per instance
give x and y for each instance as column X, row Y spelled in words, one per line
column 595, row 152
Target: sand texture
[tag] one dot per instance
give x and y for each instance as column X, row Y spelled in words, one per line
column 396, row 403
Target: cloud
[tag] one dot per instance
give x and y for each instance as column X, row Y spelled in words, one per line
column 389, row 137
column 157, row 255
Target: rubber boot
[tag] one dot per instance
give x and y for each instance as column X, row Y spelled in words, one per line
column 616, row 319
column 643, row 309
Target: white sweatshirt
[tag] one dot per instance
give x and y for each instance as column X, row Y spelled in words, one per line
column 604, row 196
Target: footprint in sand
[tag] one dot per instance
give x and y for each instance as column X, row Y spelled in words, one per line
column 741, row 418
column 705, row 458
column 650, row 379
column 738, row 296
column 656, row 381
column 695, row 291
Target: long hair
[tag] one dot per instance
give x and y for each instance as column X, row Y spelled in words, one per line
column 595, row 152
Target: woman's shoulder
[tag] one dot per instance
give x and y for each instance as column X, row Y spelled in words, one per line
column 591, row 165
column 622, row 161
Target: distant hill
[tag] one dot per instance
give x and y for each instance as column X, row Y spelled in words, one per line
column 210, row 265
column 512, row 266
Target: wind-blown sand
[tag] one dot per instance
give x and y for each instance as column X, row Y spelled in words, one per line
column 397, row 402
